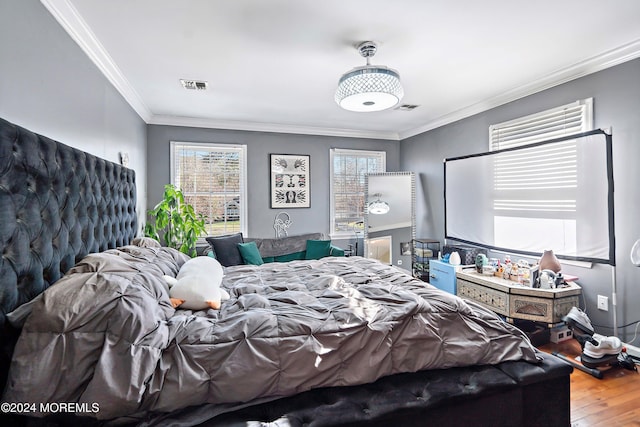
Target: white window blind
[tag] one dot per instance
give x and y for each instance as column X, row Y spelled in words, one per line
column 213, row 179
column 348, row 170
column 567, row 119
column 535, row 189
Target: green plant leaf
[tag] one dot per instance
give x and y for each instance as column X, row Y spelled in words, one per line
column 175, row 221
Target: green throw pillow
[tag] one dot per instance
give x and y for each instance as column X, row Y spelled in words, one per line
column 250, row 253
column 317, row 249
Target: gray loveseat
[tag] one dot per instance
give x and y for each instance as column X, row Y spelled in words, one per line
column 232, row 249
column 289, row 248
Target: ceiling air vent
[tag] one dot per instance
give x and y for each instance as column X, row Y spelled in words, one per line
column 407, row 107
column 193, row 84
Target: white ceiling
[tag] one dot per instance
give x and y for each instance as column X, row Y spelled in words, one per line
column 274, row 65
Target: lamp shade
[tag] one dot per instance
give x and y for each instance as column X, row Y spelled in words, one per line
column 369, row 88
column 378, row 207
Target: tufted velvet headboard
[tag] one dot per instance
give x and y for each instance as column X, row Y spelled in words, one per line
column 57, row 204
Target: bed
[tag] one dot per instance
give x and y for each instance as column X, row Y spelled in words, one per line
column 89, row 333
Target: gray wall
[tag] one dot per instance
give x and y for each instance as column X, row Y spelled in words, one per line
column 259, row 146
column 616, row 94
column 49, row 86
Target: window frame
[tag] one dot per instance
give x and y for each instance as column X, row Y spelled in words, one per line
column 332, row 212
column 212, row 147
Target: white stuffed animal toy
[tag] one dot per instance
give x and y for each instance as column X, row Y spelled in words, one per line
column 197, row 285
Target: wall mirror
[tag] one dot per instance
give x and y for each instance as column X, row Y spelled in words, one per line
column 389, row 220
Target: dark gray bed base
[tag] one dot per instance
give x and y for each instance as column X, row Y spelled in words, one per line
column 57, row 204
column 509, row 394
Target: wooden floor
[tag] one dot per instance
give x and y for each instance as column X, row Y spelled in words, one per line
column 613, row 401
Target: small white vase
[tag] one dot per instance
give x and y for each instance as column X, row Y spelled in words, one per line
column 454, row 258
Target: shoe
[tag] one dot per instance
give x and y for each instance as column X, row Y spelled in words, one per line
column 606, row 346
column 578, row 318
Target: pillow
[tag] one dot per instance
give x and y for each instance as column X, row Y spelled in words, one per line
column 146, row 242
column 250, row 253
column 225, row 249
column 317, row 249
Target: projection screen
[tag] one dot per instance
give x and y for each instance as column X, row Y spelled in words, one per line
column 555, row 194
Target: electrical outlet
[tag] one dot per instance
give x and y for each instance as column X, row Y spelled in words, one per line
column 603, row 303
column 399, row 262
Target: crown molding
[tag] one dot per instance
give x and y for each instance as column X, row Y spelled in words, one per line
column 73, row 23
column 69, row 18
column 592, row 65
column 269, row 127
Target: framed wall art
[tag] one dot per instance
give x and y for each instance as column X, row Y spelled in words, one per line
column 405, row 248
column 289, row 181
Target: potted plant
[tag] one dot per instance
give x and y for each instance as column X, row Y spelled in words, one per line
column 174, row 222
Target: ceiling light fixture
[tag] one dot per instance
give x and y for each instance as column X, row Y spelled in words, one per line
column 371, row 87
column 378, row 207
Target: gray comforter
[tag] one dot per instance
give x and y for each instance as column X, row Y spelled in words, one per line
column 106, row 334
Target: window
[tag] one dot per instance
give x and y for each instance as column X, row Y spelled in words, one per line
column 348, row 170
column 213, row 179
column 535, row 189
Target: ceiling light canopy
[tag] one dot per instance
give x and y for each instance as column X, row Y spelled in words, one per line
column 371, row 87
